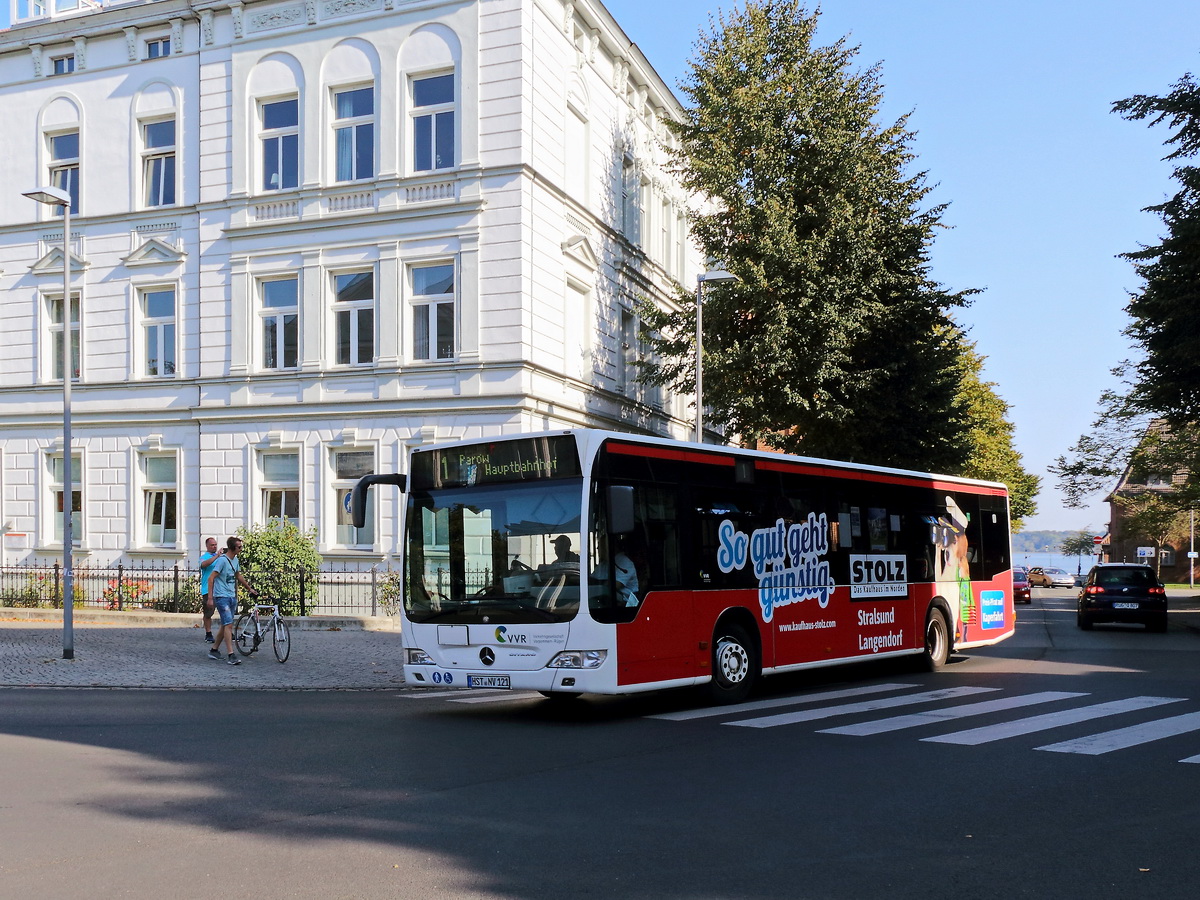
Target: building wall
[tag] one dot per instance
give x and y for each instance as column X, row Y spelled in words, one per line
column 555, row 115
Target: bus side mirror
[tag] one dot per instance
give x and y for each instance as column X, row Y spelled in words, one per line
column 620, row 509
column 358, row 495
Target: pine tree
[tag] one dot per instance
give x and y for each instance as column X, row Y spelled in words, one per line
column 1164, row 314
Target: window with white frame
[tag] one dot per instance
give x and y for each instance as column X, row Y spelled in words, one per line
column 576, row 333
column 158, row 162
column 280, row 314
column 354, row 318
column 58, row 497
column 64, row 165
column 628, row 356
column 631, row 201
column 157, row 48
column 348, row 467
column 433, row 122
column 281, row 486
column 665, row 245
column 62, row 65
column 158, row 326
column 433, row 311
column 280, row 137
column 354, row 133
column 680, row 246
column 576, row 155
column 55, row 329
column 160, row 486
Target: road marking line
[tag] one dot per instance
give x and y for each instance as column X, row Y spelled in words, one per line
column 779, row 701
column 933, row 716
column 1107, row 741
column 826, row 712
column 974, row 736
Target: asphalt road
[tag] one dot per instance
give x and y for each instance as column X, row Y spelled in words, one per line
column 868, row 781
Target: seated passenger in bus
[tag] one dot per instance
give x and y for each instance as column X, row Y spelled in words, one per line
column 625, row 573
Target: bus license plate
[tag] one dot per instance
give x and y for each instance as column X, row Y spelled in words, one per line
column 489, row 681
column 1125, row 606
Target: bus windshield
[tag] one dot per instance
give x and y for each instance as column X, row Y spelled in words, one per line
column 494, row 554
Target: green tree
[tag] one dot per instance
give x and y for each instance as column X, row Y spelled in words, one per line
column 1154, row 516
column 836, row 342
column 1079, row 545
column 1163, row 314
column 280, row 561
column 992, row 454
column 1150, row 423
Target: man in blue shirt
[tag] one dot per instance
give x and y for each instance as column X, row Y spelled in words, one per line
column 224, row 577
column 206, row 608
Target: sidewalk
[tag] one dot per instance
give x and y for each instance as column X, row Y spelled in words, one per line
column 144, row 649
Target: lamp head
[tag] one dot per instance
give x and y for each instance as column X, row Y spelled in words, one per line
column 51, row 196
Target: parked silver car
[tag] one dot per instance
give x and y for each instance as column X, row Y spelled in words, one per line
column 1049, row 576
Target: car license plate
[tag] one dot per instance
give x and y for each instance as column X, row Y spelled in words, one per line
column 1125, row 606
column 489, row 681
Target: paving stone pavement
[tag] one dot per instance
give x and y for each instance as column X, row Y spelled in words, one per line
column 125, row 650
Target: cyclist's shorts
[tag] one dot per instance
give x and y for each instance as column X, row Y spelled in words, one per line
column 226, row 606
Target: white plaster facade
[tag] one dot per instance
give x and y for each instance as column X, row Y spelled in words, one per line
column 221, row 370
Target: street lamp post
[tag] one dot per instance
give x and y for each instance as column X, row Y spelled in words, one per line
column 715, row 276
column 53, row 196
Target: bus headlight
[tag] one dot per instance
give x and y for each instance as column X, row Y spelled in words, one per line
column 576, row 659
column 419, row 657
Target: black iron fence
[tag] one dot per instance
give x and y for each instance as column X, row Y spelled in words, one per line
column 329, row 590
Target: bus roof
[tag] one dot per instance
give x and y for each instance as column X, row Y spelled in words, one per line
column 590, row 440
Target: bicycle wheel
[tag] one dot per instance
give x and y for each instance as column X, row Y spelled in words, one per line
column 280, row 640
column 243, row 634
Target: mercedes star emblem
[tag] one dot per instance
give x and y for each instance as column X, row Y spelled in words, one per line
column 486, row 656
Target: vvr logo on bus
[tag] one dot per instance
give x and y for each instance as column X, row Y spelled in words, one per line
column 503, row 637
column 787, row 561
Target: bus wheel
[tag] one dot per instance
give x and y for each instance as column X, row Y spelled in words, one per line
column 937, row 640
column 734, row 664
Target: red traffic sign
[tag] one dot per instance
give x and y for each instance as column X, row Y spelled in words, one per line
column 1098, row 539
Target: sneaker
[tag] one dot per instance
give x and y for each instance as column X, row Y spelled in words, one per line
column 208, row 637
column 233, row 660
column 214, row 653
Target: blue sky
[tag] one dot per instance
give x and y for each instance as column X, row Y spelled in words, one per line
column 1010, row 101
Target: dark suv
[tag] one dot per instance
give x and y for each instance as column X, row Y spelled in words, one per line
column 1123, row 592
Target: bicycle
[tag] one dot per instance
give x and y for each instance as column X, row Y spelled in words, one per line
column 251, row 630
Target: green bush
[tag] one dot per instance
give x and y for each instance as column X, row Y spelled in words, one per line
column 274, row 556
column 390, row 593
column 37, row 591
column 186, row 601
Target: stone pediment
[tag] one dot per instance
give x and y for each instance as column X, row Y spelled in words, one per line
column 52, row 263
column 579, row 248
column 154, row 252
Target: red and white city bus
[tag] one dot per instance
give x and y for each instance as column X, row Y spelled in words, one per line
column 596, row 562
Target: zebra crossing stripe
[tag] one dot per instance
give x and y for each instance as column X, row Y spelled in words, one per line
column 974, row 736
column 828, row 712
column 933, row 716
column 1107, row 741
column 757, row 705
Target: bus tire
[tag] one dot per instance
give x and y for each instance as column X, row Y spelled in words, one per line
column 734, row 664
column 937, row 640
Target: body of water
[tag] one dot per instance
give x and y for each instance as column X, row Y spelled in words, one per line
column 1072, row 564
